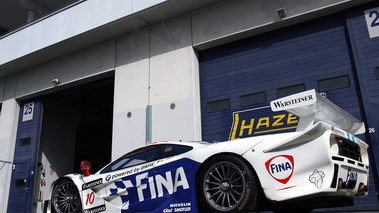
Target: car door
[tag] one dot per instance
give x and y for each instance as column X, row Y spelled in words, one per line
column 166, row 182
column 127, row 179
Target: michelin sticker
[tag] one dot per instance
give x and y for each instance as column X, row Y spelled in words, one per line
column 317, row 178
column 179, row 207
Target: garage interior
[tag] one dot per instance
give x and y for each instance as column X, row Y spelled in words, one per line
column 77, row 126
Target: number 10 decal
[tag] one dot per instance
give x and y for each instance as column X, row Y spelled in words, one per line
column 372, row 21
column 90, row 198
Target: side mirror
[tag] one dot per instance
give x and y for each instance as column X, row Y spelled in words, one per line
column 85, row 166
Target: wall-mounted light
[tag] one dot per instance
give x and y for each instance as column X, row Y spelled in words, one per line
column 281, row 12
column 56, row 81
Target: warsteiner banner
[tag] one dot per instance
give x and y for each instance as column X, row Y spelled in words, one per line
column 261, row 121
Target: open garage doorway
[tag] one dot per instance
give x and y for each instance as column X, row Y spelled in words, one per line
column 76, row 126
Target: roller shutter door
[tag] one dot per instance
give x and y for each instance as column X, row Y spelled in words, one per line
column 22, row 192
column 244, row 76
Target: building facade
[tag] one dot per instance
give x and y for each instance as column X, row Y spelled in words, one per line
column 97, row 79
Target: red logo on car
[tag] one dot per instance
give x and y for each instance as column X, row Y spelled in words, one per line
column 281, row 168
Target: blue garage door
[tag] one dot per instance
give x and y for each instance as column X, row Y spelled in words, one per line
column 239, row 79
column 24, row 162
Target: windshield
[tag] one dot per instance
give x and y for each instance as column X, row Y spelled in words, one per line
column 146, row 154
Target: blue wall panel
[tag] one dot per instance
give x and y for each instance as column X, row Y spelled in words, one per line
column 366, row 58
column 24, row 161
column 299, row 54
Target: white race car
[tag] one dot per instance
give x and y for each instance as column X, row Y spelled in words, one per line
column 322, row 164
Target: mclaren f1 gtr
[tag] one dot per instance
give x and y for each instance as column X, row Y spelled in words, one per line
column 321, row 164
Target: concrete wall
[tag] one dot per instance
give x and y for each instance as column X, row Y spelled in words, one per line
column 8, row 125
column 231, row 20
column 156, row 66
column 131, row 95
column 70, row 70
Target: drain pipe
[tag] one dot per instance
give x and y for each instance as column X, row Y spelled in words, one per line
column 33, row 9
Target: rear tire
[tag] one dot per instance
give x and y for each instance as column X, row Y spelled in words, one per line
column 226, row 184
column 65, row 198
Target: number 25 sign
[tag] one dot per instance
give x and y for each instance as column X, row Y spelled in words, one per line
column 28, row 112
column 372, row 21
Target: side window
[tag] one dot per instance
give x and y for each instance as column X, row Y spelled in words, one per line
column 170, row 150
column 138, row 156
column 146, row 154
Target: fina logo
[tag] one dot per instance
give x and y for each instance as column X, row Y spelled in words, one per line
column 280, row 168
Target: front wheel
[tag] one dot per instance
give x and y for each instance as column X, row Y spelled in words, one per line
column 226, row 184
column 66, row 198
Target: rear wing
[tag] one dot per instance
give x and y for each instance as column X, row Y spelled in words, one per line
column 311, row 108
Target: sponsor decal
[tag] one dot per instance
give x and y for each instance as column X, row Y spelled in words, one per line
column 246, row 198
column 260, row 121
column 351, row 176
column 131, row 171
column 156, row 185
column 293, row 101
column 178, row 207
column 108, row 178
column 338, row 131
column 317, row 178
column 352, row 138
column 43, row 182
column 92, row 184
column 279, row 105
column 95, row 209
column 182, row 209
column 281, row 168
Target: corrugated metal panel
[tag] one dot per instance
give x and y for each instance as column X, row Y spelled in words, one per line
column 365, row 50
column 24, row 162
column 368, row 52
column 300, row 54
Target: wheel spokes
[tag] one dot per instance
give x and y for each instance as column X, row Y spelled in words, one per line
column 224, row 185
column 66, row 198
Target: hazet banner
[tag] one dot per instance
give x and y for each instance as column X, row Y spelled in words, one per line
column 261, row 121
